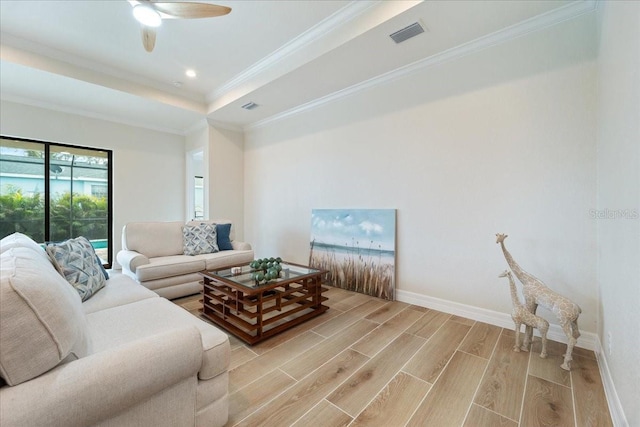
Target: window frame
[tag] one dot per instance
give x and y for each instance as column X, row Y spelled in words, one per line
column 47, row 186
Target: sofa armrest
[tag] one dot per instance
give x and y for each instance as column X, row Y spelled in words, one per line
column 241, row 246
column 97, row 387
column 131, row 260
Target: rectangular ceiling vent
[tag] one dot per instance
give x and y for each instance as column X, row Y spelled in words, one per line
column 407, row 32
column 250, row 106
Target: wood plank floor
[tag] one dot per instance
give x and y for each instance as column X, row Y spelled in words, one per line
column 370, row 362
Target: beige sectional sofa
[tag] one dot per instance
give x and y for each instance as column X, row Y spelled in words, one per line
column 124, row 357
column 153, row 255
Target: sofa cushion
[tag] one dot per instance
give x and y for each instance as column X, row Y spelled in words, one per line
column 199, row 239
column 120, row 289
column 19, row 240
column 176, row 286
column 41, row 317
column 121, row 325
column 153, row 239
column 169, row 266
column 76, row 260
column 157, row 285
column 226, row 259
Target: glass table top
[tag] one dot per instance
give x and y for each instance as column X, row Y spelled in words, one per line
column 243, row 275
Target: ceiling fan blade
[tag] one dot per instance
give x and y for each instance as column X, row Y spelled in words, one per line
column 148, row 38
column 185, row 10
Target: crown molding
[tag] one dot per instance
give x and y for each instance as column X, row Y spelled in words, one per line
column 83, row 113
column 537, row 23
column 324, row 27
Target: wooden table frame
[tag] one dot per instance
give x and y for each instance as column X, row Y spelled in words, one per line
column 254, row 314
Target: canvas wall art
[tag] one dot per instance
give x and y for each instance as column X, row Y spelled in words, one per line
column 357, row 247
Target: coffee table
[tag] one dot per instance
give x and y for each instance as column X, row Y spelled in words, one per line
column 254, row 312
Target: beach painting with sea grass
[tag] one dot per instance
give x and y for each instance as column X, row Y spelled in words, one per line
column 357, row 247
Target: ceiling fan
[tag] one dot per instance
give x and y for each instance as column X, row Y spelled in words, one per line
column 151, row 13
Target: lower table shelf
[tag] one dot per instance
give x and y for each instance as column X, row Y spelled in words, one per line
column 254, row 315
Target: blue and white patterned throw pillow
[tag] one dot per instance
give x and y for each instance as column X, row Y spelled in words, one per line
column 199, row 239
column 76, row 260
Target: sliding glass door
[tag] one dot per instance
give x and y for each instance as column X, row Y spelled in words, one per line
column 74, row 200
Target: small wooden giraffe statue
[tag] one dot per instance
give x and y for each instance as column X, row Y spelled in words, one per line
column 521, row 315
column 537, row 293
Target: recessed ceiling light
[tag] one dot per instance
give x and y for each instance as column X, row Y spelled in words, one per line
column 190, row 73
column 177, row 84
column 147, row 15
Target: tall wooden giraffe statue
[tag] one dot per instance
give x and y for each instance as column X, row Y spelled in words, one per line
column 537, row 293
column 521, row 315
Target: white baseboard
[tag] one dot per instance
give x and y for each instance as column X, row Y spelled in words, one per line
column 587, row 340
column 615, row 406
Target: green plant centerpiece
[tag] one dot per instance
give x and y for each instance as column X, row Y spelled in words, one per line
column 265, row 269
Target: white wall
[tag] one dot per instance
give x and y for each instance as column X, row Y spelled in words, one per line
column 226, row 178
column 619, row 191
column 499, row 141
column 148, row 166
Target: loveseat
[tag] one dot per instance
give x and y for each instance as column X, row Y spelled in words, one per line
column 123, row 357
column 153, row 254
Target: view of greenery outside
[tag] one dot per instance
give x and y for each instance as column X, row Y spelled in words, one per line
column 78, row 193
column 21, row 213
column 87, row 217
column 25, row 214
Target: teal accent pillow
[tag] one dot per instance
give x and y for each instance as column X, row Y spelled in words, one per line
column 104, row 270
column 224, row 242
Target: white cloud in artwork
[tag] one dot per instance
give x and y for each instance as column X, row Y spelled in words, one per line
column 329, row 225
column 371, row 228
column 337, row 224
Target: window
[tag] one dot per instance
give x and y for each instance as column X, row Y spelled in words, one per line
column 198, row 189
column 99, row 190
column 53, row 192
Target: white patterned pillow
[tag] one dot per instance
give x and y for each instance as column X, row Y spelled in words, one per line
column 76, row 260
column 199, row 239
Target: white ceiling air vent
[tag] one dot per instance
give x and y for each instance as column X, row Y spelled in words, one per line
column 407, row 32
column 250, row 106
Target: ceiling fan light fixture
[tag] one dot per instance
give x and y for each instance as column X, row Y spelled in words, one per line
column 147, row 15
